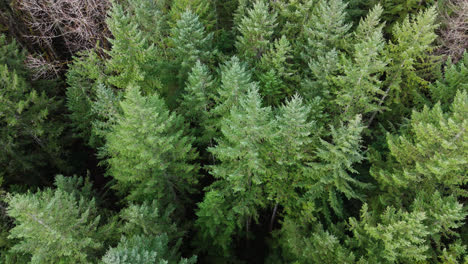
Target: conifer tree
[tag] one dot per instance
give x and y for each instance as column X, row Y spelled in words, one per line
column 292, row 142
column 197, row 101
column 360, row 87
column 326, row 30
column 28, row 134
column 204, row 9
column 152, row 19
column 132, row 57
column 323, row 39
column 85, row 73
column 143, row 250
column 411, row 41
column 256, row 30
column 276, row 73
column 430, row 154
column 242, row 169
column 148, row 152
column 455, row 78
column 148, row 220
column 190, row 43
column 236, row 81
column 57, row 226
column 332, row 172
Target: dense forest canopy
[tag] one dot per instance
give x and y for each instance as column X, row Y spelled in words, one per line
column 233, row 131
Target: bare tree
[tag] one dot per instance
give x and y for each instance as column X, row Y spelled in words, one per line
column 63, row 27
column 454, row 32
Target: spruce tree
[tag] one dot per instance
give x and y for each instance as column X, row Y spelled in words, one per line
column 411, row 41
column 292, row 143
column 256, row 30
column 83, row 76
column 324, row 37
column 455, row 78
column 148, row 152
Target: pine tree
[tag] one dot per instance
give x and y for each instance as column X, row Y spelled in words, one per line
column 152, row 19
column 292, row 15
column 57, row 226
column 148, row 153
column 395, row 236
column 132, row 57
column 148, row 220
column 360, row 87
column 326, row 30
column 241, row 172
column 143, row 250
column 190, row 43
column 12, row 56
column 256, row 30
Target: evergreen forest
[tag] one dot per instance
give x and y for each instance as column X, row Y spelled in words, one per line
column 233, row 131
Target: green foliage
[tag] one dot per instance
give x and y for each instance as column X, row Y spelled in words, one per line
column 412, row 39
column 12, row 56
column 235, row 82
column 147, row 219
column 83, row 77
column 56, row 226
column 197, row 101
column 455, row 78
column 190, row 43
column 149, row 154
column 132, row 57
column 28, row 133
column 242, row 168
column 291, row 144
column 256, row 30
column 276, row 73
column 431, row 154
column 318, row 246
column 325, row 30
column 333, row 170
column 396, row 236
column 360, row 87
column 204, row 9
column 143, row 250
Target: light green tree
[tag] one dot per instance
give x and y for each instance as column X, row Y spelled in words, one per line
column 148, row 152
column 57, row 226
column 256, row 30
